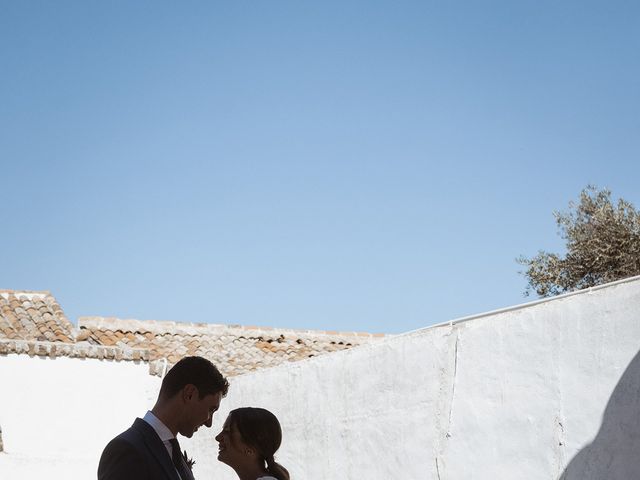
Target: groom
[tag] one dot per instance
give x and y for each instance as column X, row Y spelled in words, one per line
column 189, row 396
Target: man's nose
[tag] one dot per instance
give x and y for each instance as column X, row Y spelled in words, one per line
column 209, row 421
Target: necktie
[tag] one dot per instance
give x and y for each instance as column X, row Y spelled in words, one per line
column 178, row 461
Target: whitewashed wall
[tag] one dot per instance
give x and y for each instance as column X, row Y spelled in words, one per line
column 58, row 414
column 517, row 394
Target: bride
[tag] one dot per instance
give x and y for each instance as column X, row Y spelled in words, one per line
column 248, row 440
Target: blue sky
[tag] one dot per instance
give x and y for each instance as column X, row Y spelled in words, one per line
column 368, row 166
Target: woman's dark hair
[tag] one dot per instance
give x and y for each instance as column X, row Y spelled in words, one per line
column 196, row 371
column 260, row 429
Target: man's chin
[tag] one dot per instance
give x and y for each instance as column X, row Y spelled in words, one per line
column 189, row 433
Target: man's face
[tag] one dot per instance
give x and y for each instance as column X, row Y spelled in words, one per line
column 198, row 411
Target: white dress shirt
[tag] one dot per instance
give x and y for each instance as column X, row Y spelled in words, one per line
column 163, row 432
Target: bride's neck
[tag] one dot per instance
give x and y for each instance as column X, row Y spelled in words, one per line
column 250, row 472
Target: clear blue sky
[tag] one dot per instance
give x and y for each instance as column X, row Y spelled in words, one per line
column 365, row 165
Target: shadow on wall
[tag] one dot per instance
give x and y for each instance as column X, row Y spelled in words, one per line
column 615, row 452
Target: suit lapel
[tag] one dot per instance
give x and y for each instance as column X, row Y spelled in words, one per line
column 186, row 469
column 156, row 447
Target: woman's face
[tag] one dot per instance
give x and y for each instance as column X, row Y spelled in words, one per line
column 232, row 450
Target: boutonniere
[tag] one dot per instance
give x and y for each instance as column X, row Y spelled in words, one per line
column 189, row 461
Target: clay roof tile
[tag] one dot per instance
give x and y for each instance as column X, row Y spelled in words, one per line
column 34, row 323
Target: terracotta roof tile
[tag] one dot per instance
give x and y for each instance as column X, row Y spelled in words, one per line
column 33, row 315
column 33, row 323
column 234, row 349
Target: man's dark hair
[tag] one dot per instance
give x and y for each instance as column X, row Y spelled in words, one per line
column 197, row 371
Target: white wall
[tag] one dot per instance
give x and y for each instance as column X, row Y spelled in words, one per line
column 515, row 394
column 58, row 414
column 518, row 394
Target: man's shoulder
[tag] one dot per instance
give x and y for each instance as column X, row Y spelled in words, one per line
column 124, row 457
column 134, row 436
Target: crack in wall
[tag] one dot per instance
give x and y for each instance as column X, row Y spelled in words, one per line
column 559, row 447
column 453, row 382
column 446, row 394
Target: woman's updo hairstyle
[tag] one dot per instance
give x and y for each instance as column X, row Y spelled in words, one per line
column 260, row 429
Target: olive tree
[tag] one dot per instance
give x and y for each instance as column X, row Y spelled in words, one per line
column 602, row 245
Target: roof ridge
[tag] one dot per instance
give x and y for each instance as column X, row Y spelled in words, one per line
column 7, row 291
column 161, row 325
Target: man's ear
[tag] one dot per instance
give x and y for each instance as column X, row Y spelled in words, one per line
column 190, row 392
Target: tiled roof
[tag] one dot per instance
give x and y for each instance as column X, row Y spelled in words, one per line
column 33, row 316
column 233, row 348
column 33, row 323
column 74, row 350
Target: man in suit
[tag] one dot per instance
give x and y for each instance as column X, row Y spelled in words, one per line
column 189, row 396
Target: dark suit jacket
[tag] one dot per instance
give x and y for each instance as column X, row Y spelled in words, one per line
column 137, row 454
